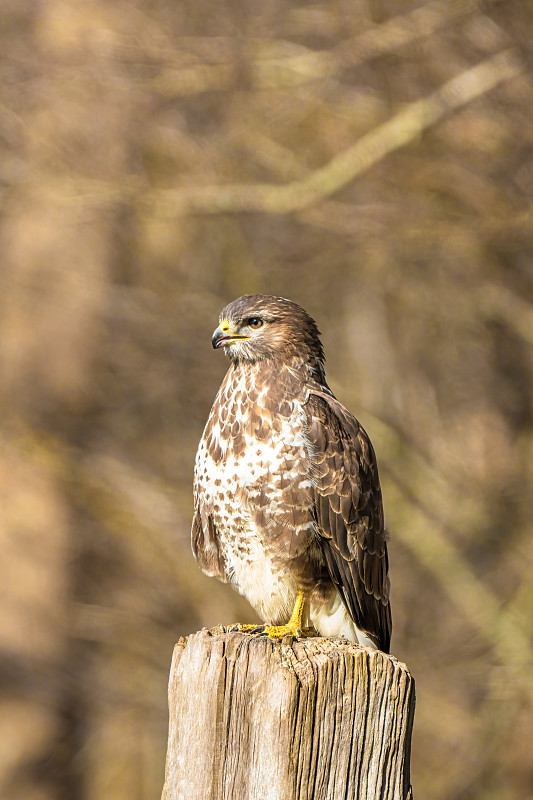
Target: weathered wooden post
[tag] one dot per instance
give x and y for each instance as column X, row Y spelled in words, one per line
column 256, row 719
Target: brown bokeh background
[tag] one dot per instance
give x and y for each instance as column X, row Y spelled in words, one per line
column 161, row 158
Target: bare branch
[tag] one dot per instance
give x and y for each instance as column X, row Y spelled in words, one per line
column 403, row 128
column 283, row 64
column 475, row 600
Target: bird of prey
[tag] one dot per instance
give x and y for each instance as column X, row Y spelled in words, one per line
column 287, row 500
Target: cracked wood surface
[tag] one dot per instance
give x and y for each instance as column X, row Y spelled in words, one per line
column 256, row 719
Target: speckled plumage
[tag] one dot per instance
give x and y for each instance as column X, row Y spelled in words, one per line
column 286, row 489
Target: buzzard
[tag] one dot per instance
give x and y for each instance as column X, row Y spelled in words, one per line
column 287, row 501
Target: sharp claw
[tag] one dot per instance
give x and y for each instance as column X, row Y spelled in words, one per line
column 273, row 631
column 253, row 630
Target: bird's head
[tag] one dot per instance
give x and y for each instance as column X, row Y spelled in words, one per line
column 259, row 326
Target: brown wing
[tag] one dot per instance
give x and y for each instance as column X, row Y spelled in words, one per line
column 206, row 545
column 349, row 514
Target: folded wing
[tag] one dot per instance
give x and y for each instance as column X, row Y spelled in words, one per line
column 349, row 514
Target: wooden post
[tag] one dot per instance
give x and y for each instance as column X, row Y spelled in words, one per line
column 257, row 719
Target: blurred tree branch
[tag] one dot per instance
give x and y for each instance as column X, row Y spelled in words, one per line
column 403, row 128
column 504, row 630
column 283, row 64
column 501, row 302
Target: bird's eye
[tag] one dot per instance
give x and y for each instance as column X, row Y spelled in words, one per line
column 255, row 323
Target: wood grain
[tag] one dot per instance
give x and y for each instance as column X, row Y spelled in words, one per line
column 315, row 719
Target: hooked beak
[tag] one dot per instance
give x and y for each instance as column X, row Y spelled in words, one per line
column 221, row 337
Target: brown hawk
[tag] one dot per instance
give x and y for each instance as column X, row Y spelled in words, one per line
column 287, row 501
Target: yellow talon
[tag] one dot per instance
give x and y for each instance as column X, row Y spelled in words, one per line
column 292, row 628
column 279, row 631
column 248, row 628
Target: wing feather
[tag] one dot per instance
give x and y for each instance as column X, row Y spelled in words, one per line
column 349, row 514
column 205, row 544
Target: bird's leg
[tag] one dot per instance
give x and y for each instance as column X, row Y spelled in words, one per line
column 294, row 625
column 292, row 628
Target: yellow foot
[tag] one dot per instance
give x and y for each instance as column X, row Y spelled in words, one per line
column 274, row 631
column 292, row 628
column 258, row 628
column 279, row 631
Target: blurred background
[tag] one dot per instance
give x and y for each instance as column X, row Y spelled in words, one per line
column 161, row 158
